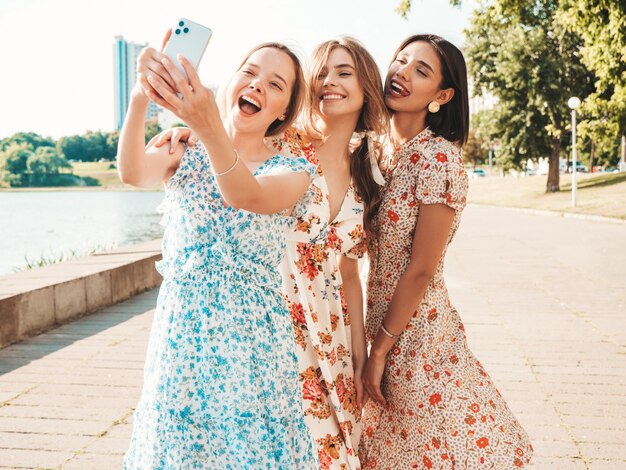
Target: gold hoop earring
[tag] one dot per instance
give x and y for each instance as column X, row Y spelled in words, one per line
column 434, row 107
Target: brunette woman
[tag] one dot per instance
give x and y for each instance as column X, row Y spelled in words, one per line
column 433, row 405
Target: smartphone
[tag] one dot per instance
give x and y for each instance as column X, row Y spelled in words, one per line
column 189, row 39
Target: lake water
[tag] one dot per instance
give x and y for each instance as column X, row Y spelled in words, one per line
column 39, row 224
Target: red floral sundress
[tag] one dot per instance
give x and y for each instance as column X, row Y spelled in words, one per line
column 443, row 410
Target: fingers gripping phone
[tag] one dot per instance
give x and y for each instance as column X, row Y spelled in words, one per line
column 189, row 39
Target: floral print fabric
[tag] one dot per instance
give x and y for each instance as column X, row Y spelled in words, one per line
column 443, row 410
column 221, row 379
column 312, row 287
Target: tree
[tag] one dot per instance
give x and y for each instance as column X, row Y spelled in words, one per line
column 95, row 146
column 112, row 140
column 532, row 65
column 602, row 27
column 72, row 147
column 45, row 161
column 599, row 27
column 14, row 162
column 33, row 140
column 475, row 150
column 405, row 7
column 152, row 129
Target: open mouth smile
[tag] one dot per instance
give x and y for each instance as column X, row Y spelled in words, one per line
column 397, row 90
column 249, row 105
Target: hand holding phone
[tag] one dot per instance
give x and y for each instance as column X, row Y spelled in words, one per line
column 189, row 39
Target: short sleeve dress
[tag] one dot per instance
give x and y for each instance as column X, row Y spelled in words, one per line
column 313, row 289
column 221, row 376
column 444, row 411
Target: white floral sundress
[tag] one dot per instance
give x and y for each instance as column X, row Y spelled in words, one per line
column 220, row 380
column 313, row 290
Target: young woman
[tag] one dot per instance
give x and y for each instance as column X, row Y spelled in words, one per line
column 320, row 272
column 321, row 284
column 433, row 405
column 221, row 386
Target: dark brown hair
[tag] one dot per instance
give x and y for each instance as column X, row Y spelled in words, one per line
column 452, row 120
column 374, row 117
column 296, row 100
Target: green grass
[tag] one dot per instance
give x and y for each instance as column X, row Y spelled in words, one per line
column 597, row 194
column 54, row 257
column 100, row 171
column 92, row 167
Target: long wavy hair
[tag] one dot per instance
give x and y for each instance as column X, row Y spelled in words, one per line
column 374, row 117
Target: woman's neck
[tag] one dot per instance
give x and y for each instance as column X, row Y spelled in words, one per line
column 333, row 150
column 250, row 146
column 405, row 126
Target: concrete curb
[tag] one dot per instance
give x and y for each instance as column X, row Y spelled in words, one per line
column 565, row 215
column 39, row 299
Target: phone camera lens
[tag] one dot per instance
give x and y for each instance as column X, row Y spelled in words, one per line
column 186, row 30
column 178, row 31
column 181, row 23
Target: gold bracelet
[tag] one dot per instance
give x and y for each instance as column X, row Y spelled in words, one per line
column 387, row 332
column 231, row 168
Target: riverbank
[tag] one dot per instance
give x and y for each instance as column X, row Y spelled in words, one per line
column 104, row 173
column 598, row 194
column 44, row 225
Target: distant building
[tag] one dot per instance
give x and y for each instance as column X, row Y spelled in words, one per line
column 125, row 55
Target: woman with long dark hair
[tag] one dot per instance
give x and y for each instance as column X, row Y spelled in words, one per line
column 433, row 405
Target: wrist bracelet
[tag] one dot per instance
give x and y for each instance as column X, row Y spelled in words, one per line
column 387, row 332
column 231, row 168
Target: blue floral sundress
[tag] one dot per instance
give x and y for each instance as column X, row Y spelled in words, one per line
column 220, row 380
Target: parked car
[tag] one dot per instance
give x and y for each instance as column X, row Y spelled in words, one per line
column 580, row 168
column 477, row 173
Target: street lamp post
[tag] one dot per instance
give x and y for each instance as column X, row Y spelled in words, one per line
column 573, row 104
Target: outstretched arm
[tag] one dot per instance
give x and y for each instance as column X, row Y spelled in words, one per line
column 238, row 186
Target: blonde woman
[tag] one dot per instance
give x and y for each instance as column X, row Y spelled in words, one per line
column 321, row 285
column 220, row 385
column 321, row 281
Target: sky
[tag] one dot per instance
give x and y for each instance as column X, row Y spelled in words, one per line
column 57, row 73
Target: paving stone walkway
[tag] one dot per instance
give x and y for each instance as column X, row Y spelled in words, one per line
column 544, row 303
